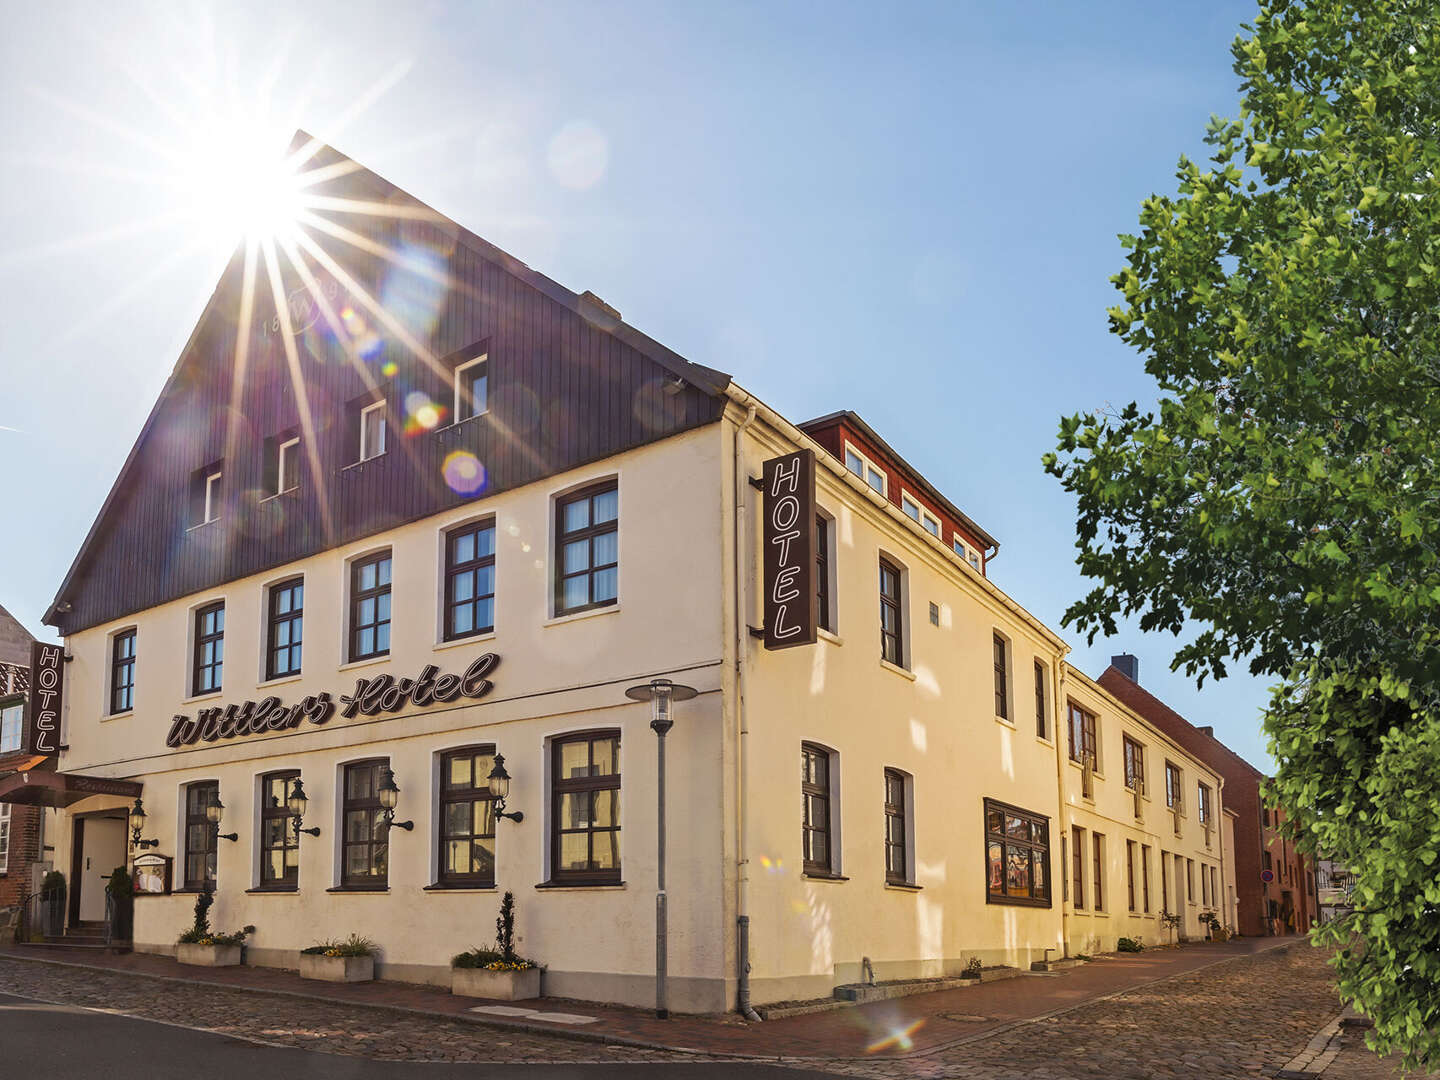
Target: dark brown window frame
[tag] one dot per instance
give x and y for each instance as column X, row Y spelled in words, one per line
column 1134, row 758
column 560, row 786
column 1098, row 843
column 1130, row 871
column 589, row 533
column 1042, row 727
column 1000, row 649
column 1145, row 876
column 289, row 841
column 273, row 621
column 216, row 668
column 1088, row 737
column 1006, row 841
column 1204, row 807
column 211, row 834
column 122, row 672
column 1077, row 865
column 824, row 616
column 810, row 790
column 892, row 641
column 1174, row 797
column 478, row 791
column 359, row 595
column 371, row 805
column 896, row 817
column 473, row 566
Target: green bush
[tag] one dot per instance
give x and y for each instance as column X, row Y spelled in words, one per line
column 122, row 896
column 1126, row 944
column 354, row 945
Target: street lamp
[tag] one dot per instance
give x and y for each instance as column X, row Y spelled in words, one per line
column 389, row 798
column 500, row 791
column 660, row 693
column 296, row 803
column 137, row 825
column 213, row 813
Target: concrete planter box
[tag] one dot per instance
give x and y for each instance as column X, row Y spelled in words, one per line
column 497, row 985
column 346, row 969
column 208, row 955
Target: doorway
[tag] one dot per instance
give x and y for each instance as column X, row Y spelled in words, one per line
column 98, row 849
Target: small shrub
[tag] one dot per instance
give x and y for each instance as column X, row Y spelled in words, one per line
column 354, row 945
column 972, row 968
column 1126, row 944
column 505, row 927
column 502, row 957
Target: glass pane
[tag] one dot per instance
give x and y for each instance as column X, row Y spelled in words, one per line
column 607, row 808
column 365, row 612
column 575, row 810
column 464, row 547
column 1037, row 832
column 457, row 857
column 876, row 480
column 484, row 613
column 198, row 838
column 282, row 633
column 357, row 861
column 274, row 832
column 275, row 865
column 997, row 878
column 483, row 817
column 576, row 592
column 367, row 577
column 459, row 773
column 574, row 759
column 360, row 782
column 817, row 811
column 1038, row 869
column 1019, row 880
column 457, row 819
column 577, row 556
column 853, row 462
column 282, row 602
column 462, row 587
column 462, row 619
column 483, row 764
column 382, row 570
column 382, row 607
column 296, row 626
column 485, row 542
column 380, row 861
column 485, row 581
column 482, row 858
column 607, row 850
column 292, row 859
column 576, row 515
column 607, row 506
column 574, row 851
column 382, row 638
column 1017, row 827
column 357, row 825
column 607, row 584
column 606, row 754
column 819, row 847
column 195, row 868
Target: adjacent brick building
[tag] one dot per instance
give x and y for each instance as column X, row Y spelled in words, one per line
column 21, row 827
column 1285, row 904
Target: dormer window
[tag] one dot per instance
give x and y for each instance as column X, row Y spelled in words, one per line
column 287, row 466
column 864, row 468
column 205, row 494
column 372, row 431
column 966, row 552
column 472, row 386
column 928, row 521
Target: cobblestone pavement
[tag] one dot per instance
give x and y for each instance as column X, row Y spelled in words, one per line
column 1356, row 1062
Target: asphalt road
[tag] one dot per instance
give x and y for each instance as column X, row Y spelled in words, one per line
column 63, row 1042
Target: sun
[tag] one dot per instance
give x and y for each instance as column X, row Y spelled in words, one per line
column 243, row 184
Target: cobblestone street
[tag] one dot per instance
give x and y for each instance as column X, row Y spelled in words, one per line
column 1244, row 1017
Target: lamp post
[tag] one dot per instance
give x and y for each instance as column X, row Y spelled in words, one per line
column 660, row 693
column 137, row 826
column 500, row 791
column 296, row 803
column 389, row 799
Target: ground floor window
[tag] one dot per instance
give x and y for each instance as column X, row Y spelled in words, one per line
column 1017, row 855
column 365, row 859
column 279, row 840
column 467, row 817
column 200, row 836
column 585, row 817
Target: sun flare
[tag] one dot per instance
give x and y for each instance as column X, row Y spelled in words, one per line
column 243, row 185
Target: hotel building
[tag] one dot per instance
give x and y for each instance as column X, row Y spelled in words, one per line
column 437, row 510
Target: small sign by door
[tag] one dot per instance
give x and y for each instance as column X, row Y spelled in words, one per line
column 151, row 875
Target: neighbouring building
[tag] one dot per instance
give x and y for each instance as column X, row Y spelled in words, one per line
column 433, row 510
column 1334, row 888
column 23, row 854
column 1274, row 884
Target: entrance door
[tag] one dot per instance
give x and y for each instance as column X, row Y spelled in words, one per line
column 102, row 850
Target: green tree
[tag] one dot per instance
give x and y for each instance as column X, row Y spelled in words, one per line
column 1282, row 497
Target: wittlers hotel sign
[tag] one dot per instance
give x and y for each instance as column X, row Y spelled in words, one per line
column 789, row 559
column 47, row 687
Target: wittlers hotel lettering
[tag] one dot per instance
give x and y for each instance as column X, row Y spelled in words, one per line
column 382, row 693
column 47, row 689
column 789, row 560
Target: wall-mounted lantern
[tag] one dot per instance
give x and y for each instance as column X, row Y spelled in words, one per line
column 500, row 791
column 213, row 814
column 296, row 803
column 389, row 799
column 137, row 826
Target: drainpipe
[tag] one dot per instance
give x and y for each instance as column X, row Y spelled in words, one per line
column 742, row 645
column 1057, row 680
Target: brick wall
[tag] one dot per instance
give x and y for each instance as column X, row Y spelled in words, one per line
column 25, row 840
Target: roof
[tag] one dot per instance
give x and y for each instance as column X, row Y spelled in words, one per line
column 589, row 307
column 854, row 420
column 15, row 640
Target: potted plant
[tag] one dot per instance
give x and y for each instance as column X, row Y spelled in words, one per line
column 498, row 973
column 203, row 947
column 973, row 969
column 351, row 960
column 1212, row 925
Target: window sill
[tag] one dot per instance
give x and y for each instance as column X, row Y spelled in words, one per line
column 577, row 886
column 280, row 494
column 367, row 662
column 1017, row 901
column 458, row 888
column 811, row 875
column 275, row 890
column 829, row 635
column 376, row 890
column 904, row 673
column 588, row 613
column 279, row 680
column 208, row 695
column 902, row 886
column 1004, row 722
column 1048, row 742
column 363, row 461
column 455, row 643
column 117, row 716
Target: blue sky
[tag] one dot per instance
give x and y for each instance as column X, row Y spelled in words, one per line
column 907, row 210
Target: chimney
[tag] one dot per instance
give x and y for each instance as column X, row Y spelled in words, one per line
column 1127, row 665
column 594, row 301
column 1207, row 730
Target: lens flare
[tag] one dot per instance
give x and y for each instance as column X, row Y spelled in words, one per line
column 422, row 414
column 900, row 1039
column 463, row 473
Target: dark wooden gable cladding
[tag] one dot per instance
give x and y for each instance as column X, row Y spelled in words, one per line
column 564, row 389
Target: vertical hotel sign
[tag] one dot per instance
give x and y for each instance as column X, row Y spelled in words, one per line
column 789, row 558
column 47, row 686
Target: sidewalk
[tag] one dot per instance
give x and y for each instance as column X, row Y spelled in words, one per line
column 899, row 1027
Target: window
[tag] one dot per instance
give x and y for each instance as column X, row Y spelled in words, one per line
column 1017, row 855
column 1130, row 871
column 209, row 649
column 1099, row 844
column 1134, row 764
column 1189, row 879
column 966, row 552
column 200, row 836
column 372, row 430
column 1203, row 805
column 1002, row 677
column 1040, row 726
column 287, row 465
column 279, row 842
column 205, row 494
column 1205, row 886
column 1082, row 736
column 1077, row 861
column 470, row 580
column 365, row 844
column 370, row 606
column 4, row 837
column 1215, row 887
column 472, row 389
column 285, row 628
column 587, row 539
column 864, row 468
column 122, row 672
column 928, row 521
column 892, row 623
column 1165, row 879
column 815, row 797
column 467, row 818
column 12, row 727
column 824, row 616
column 1172, row 786
column 897, row 866
column 585, row 813
column 1145, row 876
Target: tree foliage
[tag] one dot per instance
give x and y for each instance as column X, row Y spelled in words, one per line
column 1283, row 494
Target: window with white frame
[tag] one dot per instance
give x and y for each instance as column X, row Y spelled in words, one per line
column 12, row 725
column 287, row 465
column 205, row 494
column 928, row 521
column 864, row 468
column 372, row 431
column 472, row 386
column 966, row 552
